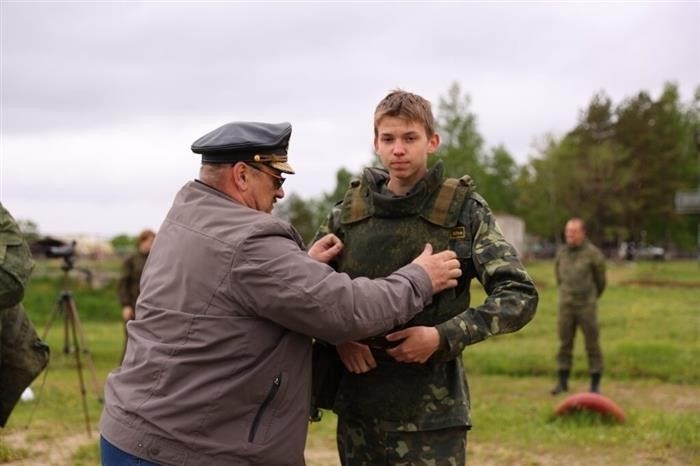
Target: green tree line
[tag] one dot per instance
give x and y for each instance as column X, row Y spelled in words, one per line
column 618, row 168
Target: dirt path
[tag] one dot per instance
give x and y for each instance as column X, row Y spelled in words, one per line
column 51, row 450
column 59, row 451
column 497, row 455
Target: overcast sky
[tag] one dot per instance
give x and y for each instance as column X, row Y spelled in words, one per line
column 100, row 101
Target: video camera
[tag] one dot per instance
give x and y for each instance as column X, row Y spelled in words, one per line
column 65, row 251
column 55, row 248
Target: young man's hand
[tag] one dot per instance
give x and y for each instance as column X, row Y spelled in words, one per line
column 419, row 343
column 357, row 357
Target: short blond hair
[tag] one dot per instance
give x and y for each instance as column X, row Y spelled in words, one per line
column 408, row 106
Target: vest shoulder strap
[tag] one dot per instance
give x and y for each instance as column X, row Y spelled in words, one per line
column 356, row 204
column 445, row 206
column 442, row 209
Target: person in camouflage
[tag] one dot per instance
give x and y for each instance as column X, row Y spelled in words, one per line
column 403, row 397
column 579, row 267
column 130, row 281
column 22, row 355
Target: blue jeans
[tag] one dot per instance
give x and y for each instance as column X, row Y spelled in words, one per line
column 113, row 456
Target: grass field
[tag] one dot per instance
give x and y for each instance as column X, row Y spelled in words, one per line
column 650, row 333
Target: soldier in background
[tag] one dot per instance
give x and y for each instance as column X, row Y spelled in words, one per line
column 403, row 398
column 22, row 354
column 130, row 280
column 579, row 267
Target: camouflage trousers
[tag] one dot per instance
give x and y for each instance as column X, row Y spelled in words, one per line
column 22, row 357
column 365, row 443
column 586, row 317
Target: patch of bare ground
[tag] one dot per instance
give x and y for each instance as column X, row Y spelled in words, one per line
column 494, row 455
column 482, row 455
column 322, row 456
column 487, row 454
column 52, row 449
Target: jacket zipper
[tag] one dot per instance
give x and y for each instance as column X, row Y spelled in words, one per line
column 276, row 382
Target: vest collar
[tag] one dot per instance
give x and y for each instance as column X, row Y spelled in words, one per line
column 412, row 203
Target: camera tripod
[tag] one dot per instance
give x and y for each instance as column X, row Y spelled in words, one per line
column 73, row 336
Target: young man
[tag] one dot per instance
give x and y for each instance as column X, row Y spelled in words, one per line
column 580, row 271
column 403, row 398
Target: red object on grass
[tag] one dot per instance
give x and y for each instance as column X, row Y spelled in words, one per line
column 592, row 402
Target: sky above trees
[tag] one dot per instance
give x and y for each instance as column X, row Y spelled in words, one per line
column 100, row 102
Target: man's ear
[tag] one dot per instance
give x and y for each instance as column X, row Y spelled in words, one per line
column 433, row 143
column 240, row 176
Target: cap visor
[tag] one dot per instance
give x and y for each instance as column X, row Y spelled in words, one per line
column 284, row 167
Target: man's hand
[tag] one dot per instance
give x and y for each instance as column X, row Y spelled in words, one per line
column 326, row 249
column 128, row 313
column 443, row 267
column 419, row 343
column 356, row 357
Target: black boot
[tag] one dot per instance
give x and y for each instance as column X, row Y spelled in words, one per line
column 595, row 382
column 563, row 384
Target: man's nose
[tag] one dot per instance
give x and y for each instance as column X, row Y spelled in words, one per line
column 399, row 148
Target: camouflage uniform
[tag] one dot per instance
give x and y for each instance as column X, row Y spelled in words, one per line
column 364, row 441
column 382, row 232
column 580, row 274
column 130, row 280
column 129, row 285
column 22, row 354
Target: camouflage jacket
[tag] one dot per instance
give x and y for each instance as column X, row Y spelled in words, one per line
column 382, row 232
column 129, row 285
column 16, row 262
column 580, row 273
column 22, row 355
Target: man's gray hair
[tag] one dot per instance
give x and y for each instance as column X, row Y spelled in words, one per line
column 213, row 173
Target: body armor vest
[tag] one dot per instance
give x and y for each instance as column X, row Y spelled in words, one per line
column 382, row 234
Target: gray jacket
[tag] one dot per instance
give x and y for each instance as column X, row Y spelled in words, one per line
column 218, row 366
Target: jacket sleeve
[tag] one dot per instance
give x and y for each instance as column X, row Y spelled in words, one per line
column 16, row 262
column 511, row 299
column 557, row 261
column 283, row 284
column 330, row 225
column 599, row 272
column 124, row 285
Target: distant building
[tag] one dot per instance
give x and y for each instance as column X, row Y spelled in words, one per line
column 513, row 229
column 92, row 246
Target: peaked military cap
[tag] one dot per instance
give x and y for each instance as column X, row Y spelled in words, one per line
column 247, row 141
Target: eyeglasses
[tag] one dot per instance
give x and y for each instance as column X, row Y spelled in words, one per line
column 277, row 182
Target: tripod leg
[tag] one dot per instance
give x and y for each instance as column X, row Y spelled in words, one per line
column 75, row 318
column 80, row 373
column 66, row 337
column 57, row 309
